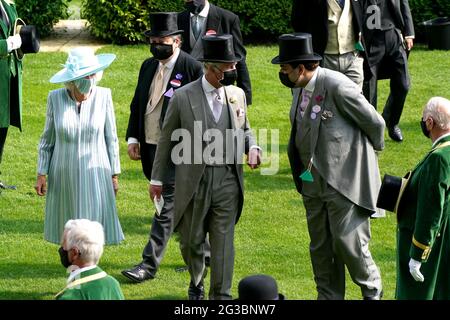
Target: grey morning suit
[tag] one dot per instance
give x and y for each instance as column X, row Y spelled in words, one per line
column 341, row 140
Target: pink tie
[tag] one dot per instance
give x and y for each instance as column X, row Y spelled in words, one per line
column 306, row 96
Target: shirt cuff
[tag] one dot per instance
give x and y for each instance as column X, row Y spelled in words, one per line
column 409, row 37
column 156, row 182
column 256, row 147
column 132, row 140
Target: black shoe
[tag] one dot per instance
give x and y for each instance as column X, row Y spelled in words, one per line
column 395, row 133
column 138, row 274
column 5, row 186
column 196, row 292
column 375, row 297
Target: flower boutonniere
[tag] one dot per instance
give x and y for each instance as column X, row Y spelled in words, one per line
column 232, row 100
column 319, row 99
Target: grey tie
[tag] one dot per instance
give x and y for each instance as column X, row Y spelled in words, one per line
column 217, row 105
column 196, row 26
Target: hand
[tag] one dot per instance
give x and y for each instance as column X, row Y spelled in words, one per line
column 115, row 182
column 14, row 42
column 409, row 43
column 414, row 269
column 133, row 151
column 41, row 185
column 155, row 191
column 254, row 158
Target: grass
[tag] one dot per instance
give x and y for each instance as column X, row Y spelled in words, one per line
column 271, row 236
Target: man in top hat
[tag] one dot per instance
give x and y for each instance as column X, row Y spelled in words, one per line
column 11, row 69
column 423, row 247
column 160, row 76
column 210, row 116
column 335, row 27
column 388, row 32
column 259, row 287
column 203, row 18
column 335, row 133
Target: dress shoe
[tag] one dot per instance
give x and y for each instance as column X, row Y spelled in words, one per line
column 138, row 274
column 395, row 133
column 375, row 297
column 196, row 292
column 5, row 186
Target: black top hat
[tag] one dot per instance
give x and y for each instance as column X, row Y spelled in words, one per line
column 259, row 287
column 29, row 36
column 163, row 24
column 295, row 47
column 218, row 48
column 391, row 192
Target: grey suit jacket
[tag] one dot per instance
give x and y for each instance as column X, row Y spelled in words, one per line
column 187, row 111
column 344, row 143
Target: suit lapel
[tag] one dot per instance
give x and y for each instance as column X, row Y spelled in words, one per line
column 296, row 92
column 317, row 98
column 146, row 83
column 185, row 25
column 232, row 108
column 198, row 102
column 213, row 19
column 11, row 17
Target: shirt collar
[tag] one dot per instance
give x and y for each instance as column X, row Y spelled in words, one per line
column 208, row 87
column 171, row 63
column 204, row 12
column 76, row 272
column 312, row 83
column 439, row 139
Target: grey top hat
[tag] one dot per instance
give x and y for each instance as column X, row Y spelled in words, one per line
column 163, row 24
column 295, row 47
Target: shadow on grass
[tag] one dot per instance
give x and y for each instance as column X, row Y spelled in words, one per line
column 17, row 270
column 25, row 295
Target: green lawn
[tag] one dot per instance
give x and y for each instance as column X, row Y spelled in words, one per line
column 271, row 236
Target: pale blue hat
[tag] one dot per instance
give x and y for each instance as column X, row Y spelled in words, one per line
column 82, row 62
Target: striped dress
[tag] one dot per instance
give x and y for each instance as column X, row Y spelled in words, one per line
column 80, row 152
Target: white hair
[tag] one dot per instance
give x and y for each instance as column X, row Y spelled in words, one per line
column 438, row 109
column 87, row 236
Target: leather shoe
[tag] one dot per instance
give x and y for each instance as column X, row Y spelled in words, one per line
column 196, row 292
column 375, row 297
column 395, row 133
column 138, row 274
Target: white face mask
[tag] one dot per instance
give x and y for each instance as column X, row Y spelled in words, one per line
column 84, row 85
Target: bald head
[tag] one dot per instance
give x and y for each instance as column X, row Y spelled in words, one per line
column 438, row 109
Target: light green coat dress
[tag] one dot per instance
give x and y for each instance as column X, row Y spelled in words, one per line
column 423, row 228
column 10, row 75
column 80, row 153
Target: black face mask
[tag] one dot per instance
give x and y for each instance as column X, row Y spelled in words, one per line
column 229, row 77
column 425, row 131
column 195, row 7
column 64, row 256
column 284, row 79
column 161, row 51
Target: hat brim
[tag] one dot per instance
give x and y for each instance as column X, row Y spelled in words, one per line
column 104, row 61
column 150, row 33
column 235, row 59
column 309, row 57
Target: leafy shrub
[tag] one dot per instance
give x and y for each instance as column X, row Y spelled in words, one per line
column 42, row 13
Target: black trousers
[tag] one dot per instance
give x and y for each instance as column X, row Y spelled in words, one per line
column 388, row 60
column 3, row 133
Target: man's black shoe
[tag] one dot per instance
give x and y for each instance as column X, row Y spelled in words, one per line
column 196, row 292
column 395, row 133
column 138, row 274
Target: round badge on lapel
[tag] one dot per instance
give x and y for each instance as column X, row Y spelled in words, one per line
column 175, row 83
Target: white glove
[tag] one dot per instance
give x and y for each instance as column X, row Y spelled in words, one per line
column 14, row 42
column 414, row 269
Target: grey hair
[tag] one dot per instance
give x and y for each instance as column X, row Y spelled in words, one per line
column 213, row 64
column 87, row 236
column 438, row 109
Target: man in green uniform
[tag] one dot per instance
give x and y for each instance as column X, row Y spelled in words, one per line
column 80, row 252
column 423, row 265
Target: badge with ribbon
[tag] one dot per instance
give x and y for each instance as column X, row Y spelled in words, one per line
column 306, row 176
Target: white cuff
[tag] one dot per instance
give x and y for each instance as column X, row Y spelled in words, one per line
column 156, row 182
column 255, row 147
column 132, row 140
column 13, row 42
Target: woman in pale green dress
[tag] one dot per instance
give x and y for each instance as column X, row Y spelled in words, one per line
column 79, row 149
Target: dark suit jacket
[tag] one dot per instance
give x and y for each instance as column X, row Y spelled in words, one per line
column 311, row 16
column 223, row 22
column 186, row 66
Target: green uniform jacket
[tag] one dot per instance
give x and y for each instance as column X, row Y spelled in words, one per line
column 423, row 228
column 106, row 288
column 10, row 75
